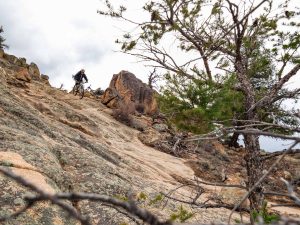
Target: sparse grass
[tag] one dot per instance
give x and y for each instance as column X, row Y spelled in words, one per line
column 181, row 215
column 263, row 214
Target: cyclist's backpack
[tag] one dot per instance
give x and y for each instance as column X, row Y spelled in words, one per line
column 77, row 76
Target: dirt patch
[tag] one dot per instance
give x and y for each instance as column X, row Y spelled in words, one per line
column 15, row 160
column 77, row 126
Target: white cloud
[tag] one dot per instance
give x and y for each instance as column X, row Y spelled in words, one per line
column 63, row 36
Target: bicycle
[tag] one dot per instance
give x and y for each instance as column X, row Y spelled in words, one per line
column 79, row 89
column 96, row 93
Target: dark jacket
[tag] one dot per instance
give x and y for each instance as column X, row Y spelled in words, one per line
column 80, row 76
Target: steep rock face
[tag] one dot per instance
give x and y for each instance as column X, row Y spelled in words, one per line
column 65, row 144
column 19, row 64
column 125, row 88
column 23, row 75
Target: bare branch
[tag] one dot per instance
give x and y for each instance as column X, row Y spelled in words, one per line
column 205, row 205
column 278, row 153
column 130, row 207
column 46, row 196
column 272, row 95
column 261, row 179
column 221, row 185
column 268, row 134
column 292, row 192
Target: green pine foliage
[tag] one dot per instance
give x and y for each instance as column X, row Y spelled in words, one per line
column 194, row 96
column 2, row 40
column 196, row 106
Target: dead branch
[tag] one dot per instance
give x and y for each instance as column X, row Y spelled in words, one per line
column 44, row 196
column 257, row 123
column 278, row 153
column 271, row 97
column 205, row 205
column 18, row 213
column 56, row 199
column 261, row 179
column 175, row 146
column 284, row 205
column 221, row 185
column 268, row 134
column 152, row 78
column 291, row 191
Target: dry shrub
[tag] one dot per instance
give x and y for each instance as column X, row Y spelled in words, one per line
column 140, row 108
column 123, row 113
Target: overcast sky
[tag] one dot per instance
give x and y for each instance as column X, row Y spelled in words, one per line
column 63, row 36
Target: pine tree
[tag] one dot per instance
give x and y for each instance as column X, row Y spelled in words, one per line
column 238, row 61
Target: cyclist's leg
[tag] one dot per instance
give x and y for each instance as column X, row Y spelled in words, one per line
column 81, row 90
column 75, row 88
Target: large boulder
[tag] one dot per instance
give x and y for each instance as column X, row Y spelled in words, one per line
column 125, row 88
column 45, row 79
column 22, row 62
column 23, row 75
column 13, row 60
column 111, row 98
column 34, row 71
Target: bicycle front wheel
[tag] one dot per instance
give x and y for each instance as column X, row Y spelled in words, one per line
column 74, row 92
column 81, row 91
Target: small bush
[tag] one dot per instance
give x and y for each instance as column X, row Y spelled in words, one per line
column 265, row 215
column 181, row 215
column 142, row 196
column 123, row 113
column 122, row 197
column 158, row 198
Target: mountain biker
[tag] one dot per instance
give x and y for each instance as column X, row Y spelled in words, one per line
column 80, row 76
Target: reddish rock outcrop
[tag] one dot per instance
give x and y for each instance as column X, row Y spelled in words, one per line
column 34, row 71
column 23, row 75
column 125, row 88
column 10, row 58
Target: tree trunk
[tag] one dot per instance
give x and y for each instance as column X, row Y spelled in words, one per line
column 233, row 142
column 253, row 164
column 254, row 171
